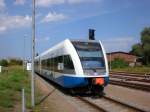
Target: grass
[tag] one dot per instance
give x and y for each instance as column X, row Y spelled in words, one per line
column 11, row 84
column 142, row 69
column 12, row 80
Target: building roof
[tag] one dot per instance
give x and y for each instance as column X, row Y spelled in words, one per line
column 121, row 52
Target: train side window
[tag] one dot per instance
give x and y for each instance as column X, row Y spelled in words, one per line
column 68, row 65
column 36, row 64
column 43, row 63
column 60, row 66
column 48, row 63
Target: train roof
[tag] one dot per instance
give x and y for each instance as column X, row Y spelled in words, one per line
column 62, row 44
column 54, row 47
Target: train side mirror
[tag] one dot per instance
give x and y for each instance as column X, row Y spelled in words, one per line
column 60, row 66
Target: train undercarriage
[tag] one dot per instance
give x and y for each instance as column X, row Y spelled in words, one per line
column 95, row 87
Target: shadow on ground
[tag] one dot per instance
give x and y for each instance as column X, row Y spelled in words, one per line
column 68, row 91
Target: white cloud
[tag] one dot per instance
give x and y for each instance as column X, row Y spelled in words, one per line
column 46, row 3
column 53, row 17
column 11, row 22
column 2, row 5
column 42, row 39
column 80, row 1
column 19, row 2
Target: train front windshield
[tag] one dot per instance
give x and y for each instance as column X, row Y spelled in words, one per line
column 90, row 54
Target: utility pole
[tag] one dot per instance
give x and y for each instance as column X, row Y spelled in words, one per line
column 24, row 52
column 33, row 54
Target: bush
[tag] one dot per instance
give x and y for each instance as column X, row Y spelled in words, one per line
column 3, row 63
column 118, row 63
column 15, row 62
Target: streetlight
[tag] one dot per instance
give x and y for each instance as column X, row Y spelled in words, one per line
column 33, row 54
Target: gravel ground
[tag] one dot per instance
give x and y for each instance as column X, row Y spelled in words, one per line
column 55, row 102
column 59, row 102
column 132, row 96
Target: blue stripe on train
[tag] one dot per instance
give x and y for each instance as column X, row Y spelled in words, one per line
column 70, row 82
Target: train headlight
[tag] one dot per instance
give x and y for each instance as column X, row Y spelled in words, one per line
column 99, row 81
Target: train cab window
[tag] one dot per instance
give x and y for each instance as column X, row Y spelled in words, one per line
column 90, row 54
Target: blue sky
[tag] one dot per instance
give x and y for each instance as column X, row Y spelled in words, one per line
column 118, row 23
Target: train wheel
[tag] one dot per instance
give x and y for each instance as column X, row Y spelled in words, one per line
column 97, row 90
column 72, row 92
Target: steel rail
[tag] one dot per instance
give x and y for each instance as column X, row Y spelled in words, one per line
column 131, row 85
column 94, row 105
column 125, row 104
column 130, row 78
column 131, row 74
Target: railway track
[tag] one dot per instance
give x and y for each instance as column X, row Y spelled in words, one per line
column 91, row 104
column 134, row 80
column 103, row 104
column 131, row 85
column 130, row 78
column 146, row 75
column 109, row 104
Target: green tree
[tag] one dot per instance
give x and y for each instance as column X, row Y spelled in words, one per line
column 145, row 40
column 145, row 36
column 4, row 62
column 137, row 50
column 142, row 49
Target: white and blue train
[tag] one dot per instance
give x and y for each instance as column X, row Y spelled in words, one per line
column 75, row 64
